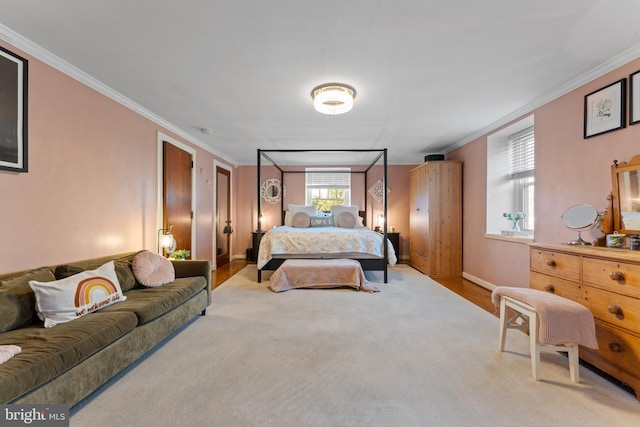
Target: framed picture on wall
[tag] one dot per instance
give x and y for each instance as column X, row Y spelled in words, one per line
column 634, row 101
column 13, row 112
column 605, row 109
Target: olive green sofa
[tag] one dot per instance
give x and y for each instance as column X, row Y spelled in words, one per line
column 65, row 363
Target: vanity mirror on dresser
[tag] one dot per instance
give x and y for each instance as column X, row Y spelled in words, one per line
column 605, row 280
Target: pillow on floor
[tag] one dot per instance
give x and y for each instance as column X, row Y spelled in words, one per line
column 66, row 299
column 152, row 270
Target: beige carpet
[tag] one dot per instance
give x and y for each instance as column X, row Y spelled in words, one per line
column 414, row 354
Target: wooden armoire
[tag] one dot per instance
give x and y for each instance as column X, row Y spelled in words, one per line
column 435, row 219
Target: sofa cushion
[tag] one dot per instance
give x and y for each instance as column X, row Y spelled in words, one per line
column 75, row 296
column 17, row 300
column 123, row 269
column 152, row 270
column 151, row 303
column 48, row 352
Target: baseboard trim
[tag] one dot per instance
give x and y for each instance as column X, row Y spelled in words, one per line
column 478, row 281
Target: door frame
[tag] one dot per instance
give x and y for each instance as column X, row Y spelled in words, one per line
column 217, row 164
column 159, row 211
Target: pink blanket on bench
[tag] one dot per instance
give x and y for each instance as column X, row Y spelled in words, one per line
column 319, row 273
column 561, row 320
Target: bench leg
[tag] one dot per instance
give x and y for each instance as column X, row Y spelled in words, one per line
column 535, row 345
column 503, row 324
column 574, row 362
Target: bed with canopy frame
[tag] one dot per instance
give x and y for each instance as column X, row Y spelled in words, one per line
column 297, row 161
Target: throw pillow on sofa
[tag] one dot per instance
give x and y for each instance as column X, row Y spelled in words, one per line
column 152, row 270
column 67, row 299
column 17, row 300
column 123, row 270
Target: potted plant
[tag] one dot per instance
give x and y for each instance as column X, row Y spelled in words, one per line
column 180, row 254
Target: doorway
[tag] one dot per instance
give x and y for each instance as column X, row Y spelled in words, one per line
column 177, row 195
column 224, row 228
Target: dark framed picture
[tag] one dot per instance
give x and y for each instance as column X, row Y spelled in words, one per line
column 605, row 109
column 634, row 100
column 13, row 111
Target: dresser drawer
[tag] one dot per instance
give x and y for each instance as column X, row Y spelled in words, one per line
column 617, row 309
column 556, row 264
column 557, row 286
column 617, row 347
column 614, row 276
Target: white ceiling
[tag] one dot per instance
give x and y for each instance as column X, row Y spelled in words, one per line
column 430, row 75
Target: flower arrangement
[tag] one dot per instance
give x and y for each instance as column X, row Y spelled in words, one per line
column 515, row 218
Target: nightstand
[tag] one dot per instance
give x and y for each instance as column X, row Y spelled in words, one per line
column 394, row 238
column 256, row 237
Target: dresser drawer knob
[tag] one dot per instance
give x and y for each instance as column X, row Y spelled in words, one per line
column 615, row 347
column 550, row 288
column 614, row 309
column 551, row 262
column 616, row 275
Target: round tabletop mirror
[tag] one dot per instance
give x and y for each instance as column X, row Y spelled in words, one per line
column 580, row 218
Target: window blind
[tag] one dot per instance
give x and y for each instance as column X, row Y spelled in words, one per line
column 522, row 148
column 328, row 178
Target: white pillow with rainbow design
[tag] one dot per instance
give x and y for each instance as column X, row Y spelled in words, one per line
column 72, row 297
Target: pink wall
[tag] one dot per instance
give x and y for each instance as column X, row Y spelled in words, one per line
column 246, row 200
column 91, row 189
column 569, row 170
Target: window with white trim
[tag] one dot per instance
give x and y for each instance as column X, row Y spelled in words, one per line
column 510, row 178
column 327, row 187
column 522, row 166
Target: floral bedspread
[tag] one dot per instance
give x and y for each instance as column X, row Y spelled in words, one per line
column 322, row 240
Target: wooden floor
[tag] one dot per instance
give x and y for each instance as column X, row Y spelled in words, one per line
column 476, row 294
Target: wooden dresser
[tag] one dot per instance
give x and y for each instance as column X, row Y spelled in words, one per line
column 607, row 281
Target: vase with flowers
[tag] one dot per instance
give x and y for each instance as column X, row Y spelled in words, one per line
column 515, row 219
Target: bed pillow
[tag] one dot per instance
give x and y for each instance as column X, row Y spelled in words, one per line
column 152, row 270
column 293, row 209
column 66, row 299
column 346, row 220
column 300, row 220
column 321, row 221
column 351, row 210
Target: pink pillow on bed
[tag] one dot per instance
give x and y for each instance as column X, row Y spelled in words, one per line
column 152, row 270
column 346, row 220
column 300, row 220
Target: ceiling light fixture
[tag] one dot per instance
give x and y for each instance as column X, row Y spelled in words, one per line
column 333, row 98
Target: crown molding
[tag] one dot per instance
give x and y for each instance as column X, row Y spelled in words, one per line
column 63, row 66
column 597, row 72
